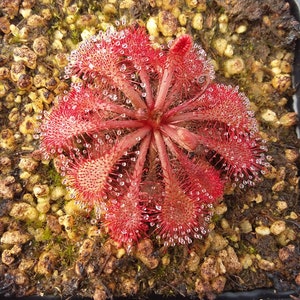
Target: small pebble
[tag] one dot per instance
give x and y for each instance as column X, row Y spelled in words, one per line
column 144, row 252
column 266, row 265
column 269, row 116
column 193, row 261
column 40, row 46
column 24, row 211
column 241, row 29
column 246, row 261
column 246, row 226
column 167, row 23
column 234, row 66
column 262, row 230
column 46, row 262
column 281, row 82
column 152, row 26
column 197, row 21
column 288, row 119
column 278, row 227
column 281, row 205
column 15, row 237
column 25, row 55
column 220, row 45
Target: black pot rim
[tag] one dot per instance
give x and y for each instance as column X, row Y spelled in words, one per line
column 295, row 8
column 258, row 294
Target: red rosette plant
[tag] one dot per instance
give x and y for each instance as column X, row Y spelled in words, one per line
column 147, row 137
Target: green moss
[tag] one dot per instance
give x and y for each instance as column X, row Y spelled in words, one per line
column 75, row 36
column 244, row 248
column 216, row 218
column 54, row 177
column 252, row 250
column 47, row 235
column 35, row 224
column 68, row 255
column 15, row 40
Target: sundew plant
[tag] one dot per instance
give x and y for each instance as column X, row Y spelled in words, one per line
column 148, row 138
